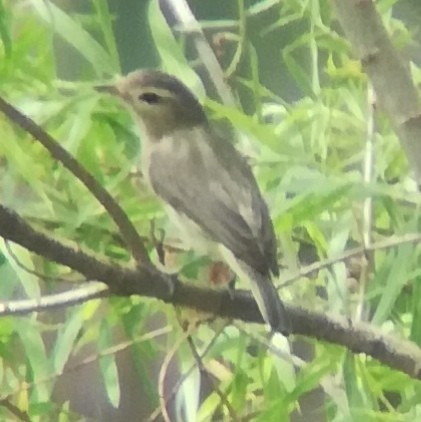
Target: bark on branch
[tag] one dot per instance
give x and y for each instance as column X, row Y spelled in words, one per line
column 149, row 281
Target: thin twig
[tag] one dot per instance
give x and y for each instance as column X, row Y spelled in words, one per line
column 88, row 291
column 164, row 369
column 15, row 411
column 320, row 265
column 158, row 243
column 367, row 260
column 181, row 380
column 202, row 368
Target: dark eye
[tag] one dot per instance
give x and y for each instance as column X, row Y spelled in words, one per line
column 149, row 97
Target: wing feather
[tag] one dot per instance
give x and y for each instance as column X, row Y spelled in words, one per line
column 209, row 182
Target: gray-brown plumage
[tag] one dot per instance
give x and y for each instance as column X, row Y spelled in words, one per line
column 208, row 187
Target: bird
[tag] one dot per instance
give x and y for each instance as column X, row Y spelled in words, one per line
column 207, row 187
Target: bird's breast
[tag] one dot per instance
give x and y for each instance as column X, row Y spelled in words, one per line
column 164, row 152
column 175, row 155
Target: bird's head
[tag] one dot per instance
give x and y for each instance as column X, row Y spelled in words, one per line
column 159, row 102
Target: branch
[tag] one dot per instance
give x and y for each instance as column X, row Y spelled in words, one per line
column 204, row 370
column 127, row 229
column 14, row 410
column 180, row 16
column 388, row 243
column 88, row 291
column 149, row 281
column 388, row 73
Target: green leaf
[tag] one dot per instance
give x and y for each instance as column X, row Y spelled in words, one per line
column 415, row 334
column 66, row 338
column 72, row 32
column 353, row 388
column 170, row 52
column 5, row 31
column 392, row 275
column 21, row 260
column 105, row 21
column 310, row 204
column 39, row 369
column 108, row 364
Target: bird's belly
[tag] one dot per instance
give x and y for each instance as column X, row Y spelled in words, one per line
column 191, row 234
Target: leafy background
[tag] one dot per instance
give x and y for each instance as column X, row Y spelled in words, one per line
column 302, row 117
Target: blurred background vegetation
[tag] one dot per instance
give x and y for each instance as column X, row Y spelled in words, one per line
column 302, row 115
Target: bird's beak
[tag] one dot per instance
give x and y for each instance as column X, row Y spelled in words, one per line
column 108, row 89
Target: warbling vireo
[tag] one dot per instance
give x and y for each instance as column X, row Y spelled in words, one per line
column 208, row 188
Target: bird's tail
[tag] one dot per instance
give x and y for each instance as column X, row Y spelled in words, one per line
column 264, row 292
column 268, row 301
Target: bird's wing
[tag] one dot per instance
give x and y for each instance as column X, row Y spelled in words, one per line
column 213, row 186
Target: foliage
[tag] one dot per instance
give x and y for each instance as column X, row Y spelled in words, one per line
column 304, row 124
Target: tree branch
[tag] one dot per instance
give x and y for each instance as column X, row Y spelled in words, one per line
column 149, row 281
column 388, row 73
